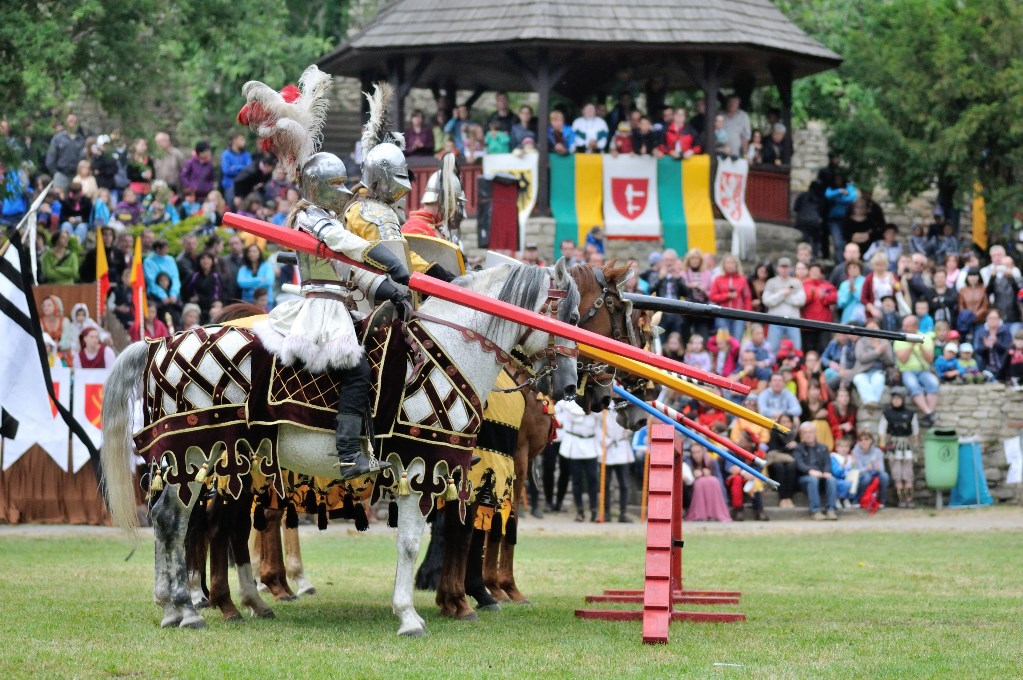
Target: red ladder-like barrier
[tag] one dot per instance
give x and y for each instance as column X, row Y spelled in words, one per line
column 662, row 588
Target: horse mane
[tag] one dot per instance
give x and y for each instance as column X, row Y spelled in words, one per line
column 238, row 310
column 521, row 288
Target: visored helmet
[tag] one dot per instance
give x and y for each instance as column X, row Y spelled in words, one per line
column 385, row 172
column 323, row 181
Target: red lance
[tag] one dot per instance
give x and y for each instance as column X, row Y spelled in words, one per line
column 306, row 243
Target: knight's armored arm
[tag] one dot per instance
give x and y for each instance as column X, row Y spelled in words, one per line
column 378, row 287
column 332, row 233
column 439, row 272
column 382, row 258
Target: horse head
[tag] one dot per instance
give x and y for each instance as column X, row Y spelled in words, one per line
column 630, row 416
column 554, row 359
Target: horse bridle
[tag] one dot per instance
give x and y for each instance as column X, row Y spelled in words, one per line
column 610, row 299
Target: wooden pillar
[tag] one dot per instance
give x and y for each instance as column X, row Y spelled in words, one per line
column 543, row 89
column 744, row 84
column 396, row 76
column 710, row 81
column 782, row 76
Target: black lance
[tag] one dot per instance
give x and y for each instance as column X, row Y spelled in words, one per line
column 657, row 304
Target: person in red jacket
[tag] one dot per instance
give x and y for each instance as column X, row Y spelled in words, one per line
column 821, row 298
column 731, row 290
column 724, row 352
column 842, row 415
column 680, row 139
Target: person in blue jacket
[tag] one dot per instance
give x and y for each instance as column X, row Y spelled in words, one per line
column 840, row 197
column 257, row 272
column 233, row 160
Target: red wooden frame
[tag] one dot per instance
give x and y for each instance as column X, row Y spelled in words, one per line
column 662, row 588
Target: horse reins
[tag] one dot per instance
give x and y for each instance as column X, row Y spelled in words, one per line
column 610, row 297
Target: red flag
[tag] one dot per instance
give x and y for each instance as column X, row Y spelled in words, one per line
column 138, row 286
column 102, row 277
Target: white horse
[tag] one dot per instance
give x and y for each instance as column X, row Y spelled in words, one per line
column 458, row 330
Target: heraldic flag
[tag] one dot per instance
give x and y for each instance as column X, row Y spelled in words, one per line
column 138, row 286
column 27, row 395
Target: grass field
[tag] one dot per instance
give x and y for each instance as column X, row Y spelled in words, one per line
column 930, row 604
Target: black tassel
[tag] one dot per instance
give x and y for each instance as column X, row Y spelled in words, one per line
column 361, row 521
column 258, row 519
column 495, row 526
column 291, row 517
column 392, row 515
column 310, row 502
column 321, row 517
column 511, row 530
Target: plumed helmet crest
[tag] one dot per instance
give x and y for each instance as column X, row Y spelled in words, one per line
column 378, row 127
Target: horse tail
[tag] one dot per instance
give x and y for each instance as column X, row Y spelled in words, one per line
column 116, row 452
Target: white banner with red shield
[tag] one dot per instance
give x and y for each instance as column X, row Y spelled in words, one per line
column 630, row 197
column 88, row 410
column 45, row 428
column 730, row 197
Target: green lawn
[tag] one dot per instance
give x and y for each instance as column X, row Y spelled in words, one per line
column 882, row 605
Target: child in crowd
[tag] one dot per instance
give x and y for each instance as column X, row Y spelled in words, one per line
column 696, row 355
column 868, row 461
column 191, row 205
column 622, row 141
column 922, row 310
column 947, row 365
column 761, row 347
column 919, row 242
column 898, row 431
column 280, row 216
column 890, row 319
column 943, row 334
column 844, row 472
column 968, row 368
column 1013, row 367
column 101, row 208
column 946, row 244
column 804, row 253
column 261, row 298
column 498, row 141
column 741, row 484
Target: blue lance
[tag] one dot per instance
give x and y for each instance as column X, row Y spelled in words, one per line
column 636, row 401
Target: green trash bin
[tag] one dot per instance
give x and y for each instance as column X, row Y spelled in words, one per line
column 941, row 459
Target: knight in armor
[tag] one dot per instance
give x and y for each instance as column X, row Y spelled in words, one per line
column 443, row 205
column 898, row 432
column 371, row 211
column 316, row 331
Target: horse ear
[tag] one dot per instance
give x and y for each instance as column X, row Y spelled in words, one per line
column 561, row 269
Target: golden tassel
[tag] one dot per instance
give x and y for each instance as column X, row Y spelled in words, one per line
column 201, row 475
column 404, row 488
column 451, row 494
column 157, row 484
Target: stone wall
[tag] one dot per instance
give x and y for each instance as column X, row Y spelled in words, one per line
column 993, row 412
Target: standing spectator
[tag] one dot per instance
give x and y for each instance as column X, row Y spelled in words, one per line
column 618, row 457
column 1003, row 287
column 813, row 461
column 873, row 359
column 821, row 298
column 808, row 209
column 899, row 431
column 188, row 259
column 87, row 269
column 458, row 127
column 869, row 461
column 850, row 293
column 65, row 151
column 942, row 301
column 680, row 139
column 257, row 272
column 525, row 127
column 756, row 147
column 915, row 362
column 879, row 283
column 621, row 142
column 59, row 264
column 1000, row 261
column 233, row 160
column 841, row 415
column 254, row 178
column 121, row 155
column 204, row 286
column 159, row 262
column 784, row 296
column 776, row 148
column 498, row 140
column 169, row 161
column 560, row 138
column 758, row 282
column 736, row 126
column 197, row 175
column 591, row 132
column 697, row 278
column 840, row 196
column 622, row 110
column 889, row 246
column 644, row 139
column 418, row 136
column 731, row 290
column 579, row 447
column 140, row 167
column 104, row 167
column 973, row 304
column 992, row 342
column 1012, row 370
column 503, row 116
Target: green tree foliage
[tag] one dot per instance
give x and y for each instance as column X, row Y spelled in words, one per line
column 931, row 91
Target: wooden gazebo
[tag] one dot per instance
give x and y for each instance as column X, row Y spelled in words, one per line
column 578, row 48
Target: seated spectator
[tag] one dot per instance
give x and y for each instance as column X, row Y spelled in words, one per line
column 754, row 154
column 708, row 500
column 973, row 304
column 776, row 149
column 874, row 357
column 915, row 363
column 813, row 461
column 724, row 352
column 86, row 180
column 101, row 208
column 254, row 178
column 498, row 141
column 158, row 262
column 781, row 463
column 921, row 309
column 560, row 138
column 890, row 318
column 942, row 301
column 776, row 401
column 1012, row 369
column 841, row 415
column 680, row 139
column 749, row 374
column 740, row 485
column 256, row 273
column 888, row 246
column 128, row 211
column 868, row 460
column 645, row 140
column 1003, row 287
column 969, row 369
column 151, row 326
column 75, row 211
column 899, row 433
column 850, row 293
column 730, row 290
column 763, row 349
column 92, row 353
column 203, row 286
column 815, row 408
column 696, row 355
column 838, row 360
column 943, row 334
column 784, row 296
column 591, row 132
column 418, row 136
column 919, row 242
column 877, row 284
column 673, row 348
column 992, row 341
column 524, row 128
column 843, row 471
column 59, row 265
column 947, row 365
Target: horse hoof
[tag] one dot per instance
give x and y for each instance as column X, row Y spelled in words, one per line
column 264, row 614
column 233, row 618
column 197, row 622
column 311, row 590
column 524, row 602
column 286, row 598
column 471, row 616
column 489, row 608
column 170, row 622
column 414, row 632
column 202, row 603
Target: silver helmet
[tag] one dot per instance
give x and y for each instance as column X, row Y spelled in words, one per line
column 385, row 172
column 323, row 181
column 445, row 189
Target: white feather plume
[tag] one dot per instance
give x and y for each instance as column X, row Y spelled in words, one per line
column 377, row 129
